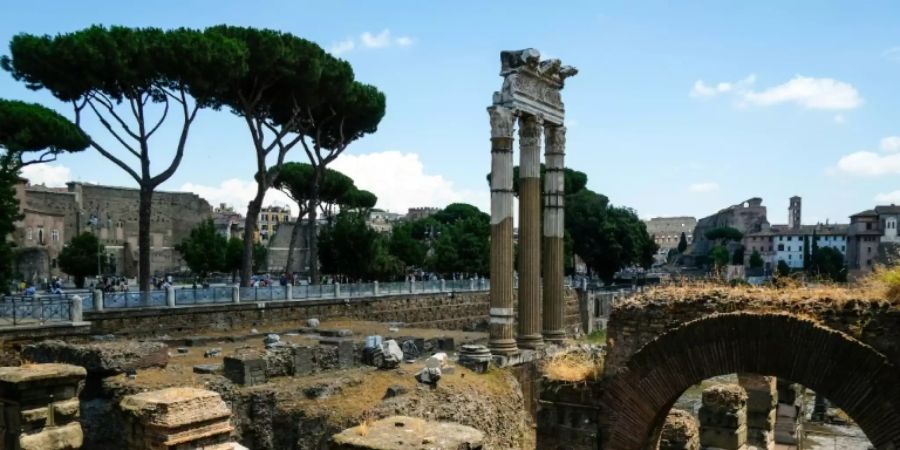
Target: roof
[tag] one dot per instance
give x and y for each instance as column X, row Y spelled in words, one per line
column 868, row 212
column 891, row 209
column 818, row 230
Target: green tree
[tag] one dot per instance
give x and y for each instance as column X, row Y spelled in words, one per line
column 351, row 248
column 26, row 129
column 737, row 257
column 756, row 261
column 807, row 260
column 719, row 255
column 828, row 263
column 682, row 243
column 411, row 251
column 724, row 234
column 79, row 258
column 464, row 242
column 260, row 258
column 292, row 91
column 233, row 256
column 297, row 181
column 204, row 250
column 129, row 79
column 783, row 269
column 608, row 238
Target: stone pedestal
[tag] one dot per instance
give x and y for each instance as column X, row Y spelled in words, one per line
column 176, row 419
column 40, row 407
column 762, row 399
column 723, row 418
column 680, row 432
column 788, row 427
column 408, row 433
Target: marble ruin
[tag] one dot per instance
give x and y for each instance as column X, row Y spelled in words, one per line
column 41, row 407
column 531, row 96
column 723, row 417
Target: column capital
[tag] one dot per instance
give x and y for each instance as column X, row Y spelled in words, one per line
column 502, row 122
column 554, row 139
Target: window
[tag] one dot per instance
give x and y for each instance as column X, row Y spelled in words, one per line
column 789, row 248
column 800, row 248
column 780, row 247
column 54, row 235
column 770, row 248
column 41, row 236
column 789, row 256
column 869, row 250
column 843, row 248
column 28, row 234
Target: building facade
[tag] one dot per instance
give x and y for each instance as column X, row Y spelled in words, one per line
column 228, row 222
column 53, row 216
column 269, row 219
column 666, row 231
column 872, row 238
column 421, row 213
column 383, row 221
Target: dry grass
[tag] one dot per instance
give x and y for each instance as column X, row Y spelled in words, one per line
column 573, row 367
column 363, row 428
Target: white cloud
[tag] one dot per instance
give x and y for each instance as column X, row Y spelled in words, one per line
column 892, row 197
column 892, row 54
column 342, row 47
column 807, row 92
column 890, row 144
column 839, row 119
column 706, row 186
column 50, row 175
column 368, row 40
column 236, row 193
column 701, row 89
column 401, row 182
column 811, row 93
column 865, row 163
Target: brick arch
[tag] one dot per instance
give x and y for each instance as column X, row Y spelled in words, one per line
column 853, row 375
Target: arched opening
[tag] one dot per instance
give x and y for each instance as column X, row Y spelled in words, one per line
column 856, row 377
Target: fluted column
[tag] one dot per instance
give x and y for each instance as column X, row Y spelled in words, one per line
column 529, row 318
column 501, row 340
column 554, row 190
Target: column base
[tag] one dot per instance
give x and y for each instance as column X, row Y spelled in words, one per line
column 531, row 341
column 554, row 337
column 504, row 347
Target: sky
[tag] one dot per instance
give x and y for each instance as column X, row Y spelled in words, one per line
column 679, row 108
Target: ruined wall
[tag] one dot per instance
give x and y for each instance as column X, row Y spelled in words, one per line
column 746, row 216
column 461, row 311
column 634, row 323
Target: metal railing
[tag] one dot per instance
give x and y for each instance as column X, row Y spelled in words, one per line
column 35, row 310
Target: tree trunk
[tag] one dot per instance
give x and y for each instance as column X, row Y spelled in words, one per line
column 313, row 225
column 249, row 227
column 144, row 212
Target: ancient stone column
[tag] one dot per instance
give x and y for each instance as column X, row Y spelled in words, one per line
column 554, row 190
column 530, row 232
column 723, row 417
column 501, row 340
column 762, row 400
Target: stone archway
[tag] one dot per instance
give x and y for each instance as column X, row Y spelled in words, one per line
column 853, row 375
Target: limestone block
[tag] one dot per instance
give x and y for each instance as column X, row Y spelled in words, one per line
column 723, row 438
column 680, row 432
column 246, row 369
column 66, row 437
column 408, row 433
column 100, row 357
column 175, row 417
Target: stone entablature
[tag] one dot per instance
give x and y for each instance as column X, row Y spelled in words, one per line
column 532, row 86
column 40, row 407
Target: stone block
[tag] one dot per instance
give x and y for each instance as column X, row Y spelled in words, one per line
column 176, row 418
column 723, row 438
column 303, row 361
column 346, row 354
column 103, row 358
column 40, row 407
column 446, row 344
column 246, row 370
column 65, row 437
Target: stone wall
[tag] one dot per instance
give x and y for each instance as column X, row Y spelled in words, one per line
column 635, row 323
column 460, row 311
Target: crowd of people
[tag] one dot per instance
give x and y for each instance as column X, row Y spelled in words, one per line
column 112, row 284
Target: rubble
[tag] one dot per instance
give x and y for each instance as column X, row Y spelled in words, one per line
column 104, row 358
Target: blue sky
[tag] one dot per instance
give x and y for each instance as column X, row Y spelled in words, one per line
column 679, row 107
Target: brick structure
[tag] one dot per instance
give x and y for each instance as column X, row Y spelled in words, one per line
column 109, row 212
column 246, row 369
column 723, row 418
column 177, row 419
column 40, row 407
